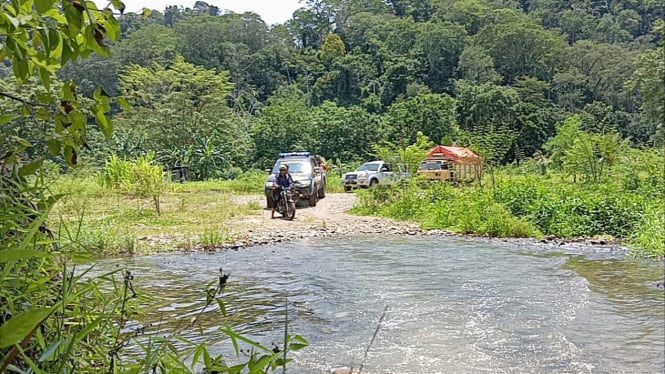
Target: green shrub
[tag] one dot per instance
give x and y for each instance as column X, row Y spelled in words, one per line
column 142, row 177
column 650, row 238
column 527, row 205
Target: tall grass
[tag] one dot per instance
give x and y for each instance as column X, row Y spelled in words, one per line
column 469, row 210
column 531, row 205
column 650, row 238
column 138, row 178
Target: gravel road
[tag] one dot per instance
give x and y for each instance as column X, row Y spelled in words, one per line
column 329, row 217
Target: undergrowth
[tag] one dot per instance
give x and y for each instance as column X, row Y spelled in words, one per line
column 531, row 205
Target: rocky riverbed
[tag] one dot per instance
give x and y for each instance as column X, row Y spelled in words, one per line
column 328, row 218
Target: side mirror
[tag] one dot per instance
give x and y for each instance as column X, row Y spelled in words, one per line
column 268, row 171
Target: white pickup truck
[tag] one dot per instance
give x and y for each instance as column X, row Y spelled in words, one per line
column 371, row 173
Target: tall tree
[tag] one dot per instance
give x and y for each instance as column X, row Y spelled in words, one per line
column 431, row 114
column 519, row 46
column 649, row 82
column 283, row 126
column 175, row 107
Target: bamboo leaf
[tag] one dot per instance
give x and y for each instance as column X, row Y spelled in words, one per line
column 222, row 306
column 234, row 341
column 6, row 118
column 232, row 334
column 9, row 255
column 50, row 350
column 30, row 168
column 18, row 328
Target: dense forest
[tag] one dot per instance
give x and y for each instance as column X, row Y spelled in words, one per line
column 205, row 87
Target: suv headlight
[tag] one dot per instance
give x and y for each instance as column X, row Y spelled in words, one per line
column 269, row 184
column 303, row 183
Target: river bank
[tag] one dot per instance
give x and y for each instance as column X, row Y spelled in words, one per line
column 202, row 216
column 331, row 218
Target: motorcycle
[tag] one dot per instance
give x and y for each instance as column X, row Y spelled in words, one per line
column 286, row 205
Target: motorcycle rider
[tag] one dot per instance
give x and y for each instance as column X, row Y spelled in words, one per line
column 282, row 179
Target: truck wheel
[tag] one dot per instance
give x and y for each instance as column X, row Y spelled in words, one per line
column 312, row 200
column 269, row 202
column 373, row 182
column 347, row 188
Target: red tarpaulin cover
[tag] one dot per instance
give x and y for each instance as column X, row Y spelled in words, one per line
column 457, row 154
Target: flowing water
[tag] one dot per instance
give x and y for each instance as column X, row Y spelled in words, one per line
column 455, row 305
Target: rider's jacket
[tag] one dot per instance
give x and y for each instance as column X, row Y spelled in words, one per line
column 283, row 181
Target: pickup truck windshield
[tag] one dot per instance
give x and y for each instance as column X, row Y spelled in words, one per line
column 431, row 165
column 297, row 167
column 368, row 167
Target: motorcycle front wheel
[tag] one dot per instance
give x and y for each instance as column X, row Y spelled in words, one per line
column 290, row 210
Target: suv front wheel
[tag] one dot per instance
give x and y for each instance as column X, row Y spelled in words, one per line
column 312, row 200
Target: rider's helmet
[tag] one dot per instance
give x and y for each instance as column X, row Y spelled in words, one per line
column 283, row 167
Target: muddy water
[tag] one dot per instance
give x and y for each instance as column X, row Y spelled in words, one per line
column 454, row 305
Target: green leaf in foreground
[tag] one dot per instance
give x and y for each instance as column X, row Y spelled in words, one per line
column 30, row 168
column 6, row 118
column 9, row 255
column 19, row 327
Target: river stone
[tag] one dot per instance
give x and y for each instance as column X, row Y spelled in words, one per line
column 341, row 371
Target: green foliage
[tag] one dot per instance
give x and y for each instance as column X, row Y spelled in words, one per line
column 431, row 114
column 578, row 152
column 408, row 157
column 441, row 206
column 282, row 126
column 518, row 45
column 344, row 133
column 649, row 240
column 52, row 319
column 40, row 38
column 647, row 80
column 332, row 47
column 249, row 182
column 138, row 178
column 569, row 211
column 528, row 205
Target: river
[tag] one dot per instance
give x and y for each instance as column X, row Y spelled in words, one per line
column 455, row 305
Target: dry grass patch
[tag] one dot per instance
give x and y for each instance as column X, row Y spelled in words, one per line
column 107, row 222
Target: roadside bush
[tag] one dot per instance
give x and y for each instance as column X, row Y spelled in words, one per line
column 570, row 210
column 650, row 238
column 529, row 206
column 440, row 206
column 142, row 177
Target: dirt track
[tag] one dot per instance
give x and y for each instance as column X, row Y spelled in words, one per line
column 328, row 218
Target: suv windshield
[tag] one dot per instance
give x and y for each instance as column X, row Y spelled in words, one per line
column 368, row 167
column 295, row 166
